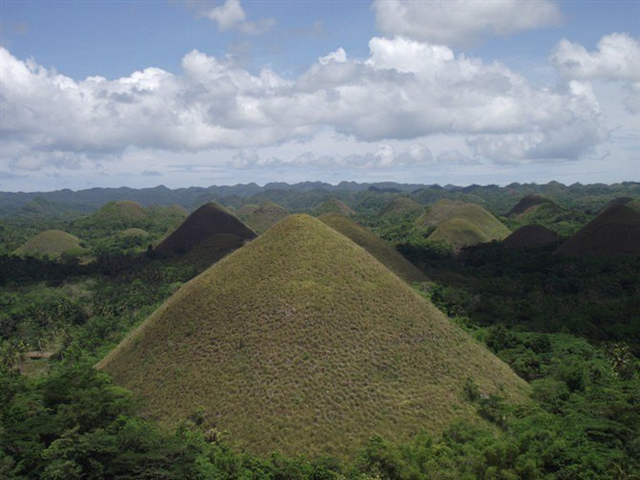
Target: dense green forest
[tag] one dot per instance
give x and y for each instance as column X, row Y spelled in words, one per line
column 569, row 326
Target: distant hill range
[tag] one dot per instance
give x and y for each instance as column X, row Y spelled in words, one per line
column 305, row 195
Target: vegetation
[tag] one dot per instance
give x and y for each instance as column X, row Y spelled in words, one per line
column 402, row 207
column 262, row 217
column 333, row 205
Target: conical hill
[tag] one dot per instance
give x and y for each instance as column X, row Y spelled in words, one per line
column 381, row 250
column 209, row 220
column 401, row 207
column 614, row 232
column 333, row 205
column 302, row 342
column 531, row 236
column 51, row 243
column 262, row 217
column 528, row 202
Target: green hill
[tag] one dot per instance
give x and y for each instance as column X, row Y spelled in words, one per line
column 122, row 211
column 303, row 342
column 333, row 205
column 210, row 220
column 381, row 250
column 401, row 207
column 52, row 243
column 461, row 224
column 134, row 232
column 531, row 236
column 614, row 232
column 262, row 217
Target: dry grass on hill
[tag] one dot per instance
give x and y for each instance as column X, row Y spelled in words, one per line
column 401, row 207
column 333, row 205
column 531, row 236
column 303, row 342
column 52, row 243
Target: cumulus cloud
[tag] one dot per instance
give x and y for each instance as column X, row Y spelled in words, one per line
column 455, row 22
column 230, row 15
column 455, row 157
column 404, row 90
column 616, row 58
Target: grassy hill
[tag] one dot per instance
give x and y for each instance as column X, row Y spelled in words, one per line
column 531, row 236
column 303, row 342
column 262, row 217
column 461, row 224
column 208, row 221
column 614, row 232
column 52, row 243
column 333, row 205
column 381, row 250
column 401, row 207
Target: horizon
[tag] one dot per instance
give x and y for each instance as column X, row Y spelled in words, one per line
column 236, row 91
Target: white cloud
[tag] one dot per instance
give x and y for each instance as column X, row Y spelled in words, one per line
column 404, row 90
column 455, row 157
column 230, row 15
column 616, row 59
column 455, row 22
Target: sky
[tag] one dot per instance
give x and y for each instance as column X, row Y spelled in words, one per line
column 198, row 93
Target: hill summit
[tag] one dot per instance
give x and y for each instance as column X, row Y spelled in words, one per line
column 333, row 205
column 401, row 207
column 303, row 342
column 528, row 202
column 531, row 236
column 208, row 221
column 381, row 250
column 614, row 232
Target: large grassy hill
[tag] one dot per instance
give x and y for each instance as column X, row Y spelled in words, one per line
column 614, row 232
column 531, row 236
column 51, row 243
column 303, row 342
column 528, row 202
column 208, row 221
column 381, row 250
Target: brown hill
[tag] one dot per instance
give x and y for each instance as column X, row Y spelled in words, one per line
column 614, row 232
column 527, row 203
column 209, row 220
column 531, row 236
column 381, row 250
column 303, row 342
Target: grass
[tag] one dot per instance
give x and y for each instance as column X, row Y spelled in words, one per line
column 333, row 205
column 302, row 342
column 614, row 232
column 381, row 250
column 461, row 224
column 209, row 220
column 401, row 207
column 529, row 202
column 262, row 217
column 51, row 243
column 126, row 210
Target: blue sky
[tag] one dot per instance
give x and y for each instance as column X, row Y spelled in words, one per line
column 240, row 91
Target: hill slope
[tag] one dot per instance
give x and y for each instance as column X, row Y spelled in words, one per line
column 262, row 217
column 401, row 207
column 302, row 342
column 333, row 205
column 52, row 243
column 461, row 224
column 527, row 203
column 209, row 220
column 614, row 232
column 531, row 236
column 377, row 247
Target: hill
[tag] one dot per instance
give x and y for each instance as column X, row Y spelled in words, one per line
column 134, row 232
column 381, row 250
column 461, row 224
column 121, row 211
column 531, row 236
column 209, row 220
column 527, row 203
column 614, row 232
column 303, row 342
column 401, row 207
column 333, row 205
column 262, row 217
column 52, row 243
